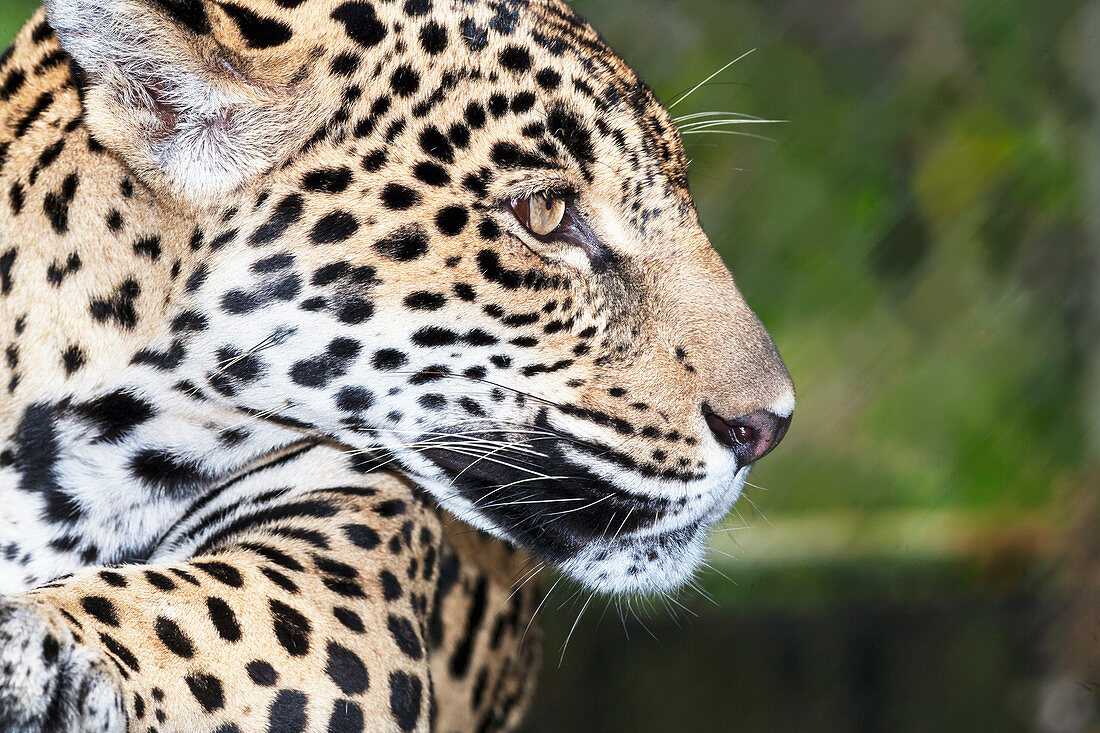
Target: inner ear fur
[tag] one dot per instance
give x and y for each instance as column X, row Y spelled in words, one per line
column 188, row 114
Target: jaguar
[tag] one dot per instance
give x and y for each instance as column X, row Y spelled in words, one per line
column 329, row 324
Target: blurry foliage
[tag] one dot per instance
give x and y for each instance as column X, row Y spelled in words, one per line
column 912, row 237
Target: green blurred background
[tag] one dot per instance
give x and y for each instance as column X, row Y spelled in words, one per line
column 921, row 237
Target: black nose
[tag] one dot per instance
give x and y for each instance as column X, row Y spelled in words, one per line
column 751, row 436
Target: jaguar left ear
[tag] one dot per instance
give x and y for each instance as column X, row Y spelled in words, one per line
column 182, row 109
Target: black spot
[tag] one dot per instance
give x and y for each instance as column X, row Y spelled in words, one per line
column 475, row 615
column 56, row 203
column 235, row 368
column 362, row 536
column 522, row 103
column 431, row 174
column 404, row 244
column 148, row 247
column 172, row 636
column 120, row 651
column 346, row 670
column 422, row 300
column 119, row 306
column 40, row 105
column 334, row 227
column 343, row 587
column 471, row 406
column 350, row 619
column 288, row 712
column 452, row 220
column 6, row 261
column 318, row 371
column 391, row 587
column 207, row 689
column 391, row 508
column 160, row 581
column 405, row 81
column 189, row 322
column 434, row 336
column 354, row 399
column 400, row 198
column 435, row 143
column 571, row 131
column 17, row 197
column 223, row 618
column 262, row 673
column 354, row 311
column 287, row 213
column 115, row 415
column 510, row 156
column 360, row 23
column 175, row 475
column 475, row 36
column 515, row 59
column 477, row 337
column 373, row 161
column 548, row 79
column 274, row 555
column 346, row 717
column 258, row 31
column 327, row 180
column 101, row 609
column 430, row 374
column 163, row 360
column 12, row 83
column 292, row 629
column 433, row 38
column 190, row 13
column 465, row 292
column 418, row 7
column 488, row 263
column 498, row 105
column 222, row 572
column 401, row 629
column 344, row 64
column 489, row 230
column 405, row 694
column 113, row 579
column 58, row 271
column 432, row 401
column 114, row 221
column 280, row 580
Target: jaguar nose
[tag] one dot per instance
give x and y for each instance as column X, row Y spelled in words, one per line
column 750, row 436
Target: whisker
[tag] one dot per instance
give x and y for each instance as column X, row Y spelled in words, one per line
column 572, row 629
column 705, row 125
column 696, row 115
column 703, row 83
column 731, row 132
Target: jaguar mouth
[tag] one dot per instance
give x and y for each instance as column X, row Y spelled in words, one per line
column 545, row 500
column 548, row 504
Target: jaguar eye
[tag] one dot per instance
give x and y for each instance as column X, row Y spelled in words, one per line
column 542, row 214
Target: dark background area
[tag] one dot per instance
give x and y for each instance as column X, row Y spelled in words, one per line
column 920, row 235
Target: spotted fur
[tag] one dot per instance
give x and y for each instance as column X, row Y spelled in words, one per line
column 260, row 283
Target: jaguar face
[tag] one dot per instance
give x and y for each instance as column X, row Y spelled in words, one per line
column 480, row 264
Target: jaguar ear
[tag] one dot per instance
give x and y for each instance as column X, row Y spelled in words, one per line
column 162, row 89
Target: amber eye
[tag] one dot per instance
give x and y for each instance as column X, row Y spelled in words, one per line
column 542, row 214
